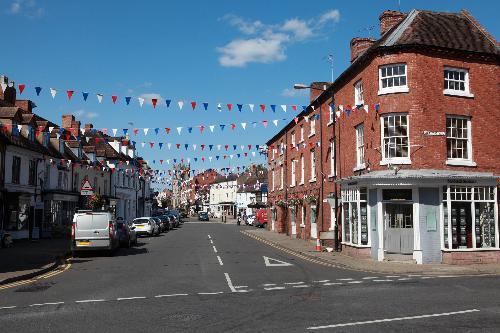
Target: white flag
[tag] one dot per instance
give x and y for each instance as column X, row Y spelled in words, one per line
column 218, row 147
column 188, row 160
column 231, row 156
column 4, row 86
column 219, row 107
column 275, row 122
column 251, row 106
column 244, row 125
column 253, row 154
column 210, row 158
column 194, row 146
column 341, row 107
column 211, row 128
column 143, row 144
column 338, row 114
column 51, row 128
column 146, row 131
column 168, row 161
column 365, row 107
column 114, row 130
column 99, row 98
column 53, row 92
column 283, row 106
column 181, row 104
column 179, row 129
column 141, row 101
column 242, row 147
column 169, row 145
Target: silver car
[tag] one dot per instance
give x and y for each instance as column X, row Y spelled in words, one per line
column 94, row 231
column 145, row 226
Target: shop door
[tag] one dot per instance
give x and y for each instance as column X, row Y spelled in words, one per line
column 399, row 228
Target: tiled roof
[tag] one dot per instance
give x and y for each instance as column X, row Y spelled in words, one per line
column 8, row 112
column 22, row 142
column 421, row 174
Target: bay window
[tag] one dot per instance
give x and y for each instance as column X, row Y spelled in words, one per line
column 395, row 139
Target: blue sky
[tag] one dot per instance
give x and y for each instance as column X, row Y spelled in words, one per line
column 205, row 51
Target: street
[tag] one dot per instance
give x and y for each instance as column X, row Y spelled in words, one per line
column 210, row 277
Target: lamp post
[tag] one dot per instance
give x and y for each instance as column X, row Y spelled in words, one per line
column 334, row 152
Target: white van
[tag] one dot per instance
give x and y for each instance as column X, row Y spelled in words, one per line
column 94, row 231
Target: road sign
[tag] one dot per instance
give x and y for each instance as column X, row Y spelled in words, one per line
column 275, row 262
column 86, row 188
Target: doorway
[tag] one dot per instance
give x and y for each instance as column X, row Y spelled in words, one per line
column 398, row 220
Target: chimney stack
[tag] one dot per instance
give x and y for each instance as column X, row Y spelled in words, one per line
column 360, row 45
column 88, row 127
column 389, row 19
column 67, row 119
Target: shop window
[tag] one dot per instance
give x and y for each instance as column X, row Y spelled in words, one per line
column 355, row 216
column 16, row 169
column 469, row 217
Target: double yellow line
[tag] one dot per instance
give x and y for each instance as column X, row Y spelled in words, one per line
column 58, row 270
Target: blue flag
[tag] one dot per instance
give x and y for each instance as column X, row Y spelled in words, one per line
column 234, row 147
column 85, row 95
column 190, row 129
column 186, row 146
column 38, row 89
column 205, row 106
column 273, row 107
column 157, row 130
column 196, row 160
column 210, row 146
column 125, row 131
column 240, row 106
column 133, row 143
column 160, row 144
column 167, row 101
column 127, row 100
column 222, row 127
column 217, row 157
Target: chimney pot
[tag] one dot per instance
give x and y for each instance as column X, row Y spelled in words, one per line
column 389, row 19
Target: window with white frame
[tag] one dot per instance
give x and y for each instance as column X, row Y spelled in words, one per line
column 301, row 133
column 302, row 169
column 358, row 93
column 458, row 143
column 273, row 180
column 274, row 153
column 360, row 146
column 331, row 114
column 282, row 177
column 395, row 139
column 313, row 165
column 312, row 123
column 354, row 216
column 392, row 78
column 294, row 167
column 332, row 158
column 456, row 82
column 469, row 217
column 293, row 139
column 281, row 148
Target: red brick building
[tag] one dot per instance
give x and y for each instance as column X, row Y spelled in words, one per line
column 418, row 153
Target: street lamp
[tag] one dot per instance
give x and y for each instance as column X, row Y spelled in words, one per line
column 334, row 152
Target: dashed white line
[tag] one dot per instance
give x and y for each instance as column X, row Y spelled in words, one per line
column 370, row 277
column 428, row 277
column 269, row 284
column 392, row 319
column 209, row 237
column 229, row 283
column 90, row 300
column 355, row 282
column 274, row 288
column 237, row 287
column 215, row 250
column 211, row 241
column 129, row 298
column 382, row 280
column 404, row 279
column 42, row 304
column 321, row 281
column 214, row 293
column 346, row 279
column 171, row 295
column 332, row 283
column 392, row 276
column 292, row 283
column 302, row 286
column 8, row 307
column 220, row 261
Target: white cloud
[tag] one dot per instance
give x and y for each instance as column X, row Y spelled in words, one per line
column 288, row 92
column 92, row 115
column 28, row 8
column 84, row 114
column 149, row 96
column 15, row 7
column 267, row 43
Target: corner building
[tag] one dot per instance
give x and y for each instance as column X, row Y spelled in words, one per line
column 416, row 137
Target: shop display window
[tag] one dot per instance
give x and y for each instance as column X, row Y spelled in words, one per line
column 355, row 216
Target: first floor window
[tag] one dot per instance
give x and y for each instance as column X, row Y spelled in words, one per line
column 281, row 177
column 332, row 158
column 456, row 81
column 302, row 169
column 313, row 166
column 395, row 137
column 458, row 138
column 360, row 145
column 16, row 169
column 469, row 217
column 32, row 173
column 355, row 217
column 392, row 78
column 294, row 166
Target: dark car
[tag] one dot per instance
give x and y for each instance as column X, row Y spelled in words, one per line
column 203, row 216
column 174, row 215
column 126, row 233
column 165, row 223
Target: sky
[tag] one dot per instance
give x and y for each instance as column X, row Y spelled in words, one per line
column 238, row 52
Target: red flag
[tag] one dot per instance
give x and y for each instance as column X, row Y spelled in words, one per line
column 233, row 126
column 226, row 146
column 154, row 100
column 202, row 128
column 296, row 119
column 136, row 130
column 249, row 147
column 294, row 107
column 178, row 145
column 69, row 93
column 202, row 147
column 167, row 130
column 161, row 161
column 114, row 97
column 203, row 159
column 225, row 156
column 246, row 154
column 193, row 105
column 229, row 106
column 262, row 107
column 264, row 122
column 21, row 88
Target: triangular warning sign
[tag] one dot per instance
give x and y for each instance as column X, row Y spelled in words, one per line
column 86, row 186
column 275, row 262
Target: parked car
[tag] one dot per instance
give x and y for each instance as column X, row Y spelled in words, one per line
column 171, row 221
column 165, row 223
column 250, row 219
column 176, row 214
column 94, row 231
column 260, row 218
column 158, row 224
column 175, row 217
column 126, row 233
column 145, row 226
column 203, row 216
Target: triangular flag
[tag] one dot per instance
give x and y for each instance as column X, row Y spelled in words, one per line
column 193, row 105
column 21, row 88
column 69, row 93
column 181, row 104
column 365, row 107
column 219, row 107
column 114, row 130
column 211, row 128
column 205, row 106
column 240, row 106
column 179, row 129
column 294, row 107
column 263, row 107
column 275, row 122
column 273, row 107
column 244, row 125
column 53, row 92
column 154, row 101
column 167, row 101
column 264, row 122
column 229, row 106
column 127, row 100
column 99, row 97
column 169, row 145
column 3, row 86
column 283, row 107
column 157, row 130
column 141, row 101
column 251, row 107
column 222, row 127
column 114, row 98
column 145, row 131
column 37, row 89
column 167, row 129
column 194, row 146
column 85, row 95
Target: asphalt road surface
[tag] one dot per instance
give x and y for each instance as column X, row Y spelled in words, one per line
column 208, row 277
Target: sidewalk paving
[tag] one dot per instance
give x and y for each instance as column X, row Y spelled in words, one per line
column 306, row 249
column 27, row 259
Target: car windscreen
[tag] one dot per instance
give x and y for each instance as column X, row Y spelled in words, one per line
column 141, row 221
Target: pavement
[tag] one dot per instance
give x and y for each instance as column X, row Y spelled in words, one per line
column 306, row 249
column 210, row 277
column 27, row 259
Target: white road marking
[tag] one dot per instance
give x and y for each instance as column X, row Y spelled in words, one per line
column 275, row 263
column 215, row 293
column 302, row 286
column 382, row 280
column 404, row 279
column 209, row 236
column 332, row 283
column 237, row 287
column 171, row 295
column 370, row 277
column 392, row 319
column 7, row 307
column 292, row 283
column 42, row 304
column 269, row 284
column 211, row 241
column 220, row 261
column 448, row 276
column 428, row 277
column 215, row 250
column 90, row 300
column 274, row 288
column 229, row 283
column 346, row 279
column 392, row 276
column 321, row 281
column 129, row 298
column 355, row 282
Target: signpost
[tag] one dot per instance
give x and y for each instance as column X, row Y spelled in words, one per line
column 86, row 188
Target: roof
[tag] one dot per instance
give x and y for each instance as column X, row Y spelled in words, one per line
column 228, row 178
column 421, row 174
column 22, row 142
column 9, row 111
column 419, row 29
